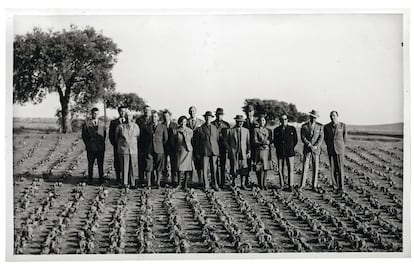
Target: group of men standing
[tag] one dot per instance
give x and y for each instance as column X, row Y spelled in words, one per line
column 142, row 148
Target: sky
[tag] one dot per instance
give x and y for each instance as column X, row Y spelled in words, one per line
column 349, row 63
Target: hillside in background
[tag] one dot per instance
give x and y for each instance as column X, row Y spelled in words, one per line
column 396, row 129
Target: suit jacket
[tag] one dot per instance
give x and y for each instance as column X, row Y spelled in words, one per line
column 112, row 129
column 193, row 125
column 285, row 141
column 238, row 142
column 184, row 141
column 126, row 136
column 154, row 140
column 207, row 140
column 222, row 126
column 142, row 123
column 309, row 139
column 94, row 136
column 250, row 125
column 171, row 129
column 335, row 138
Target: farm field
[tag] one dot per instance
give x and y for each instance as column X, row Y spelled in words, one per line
column 55, row 213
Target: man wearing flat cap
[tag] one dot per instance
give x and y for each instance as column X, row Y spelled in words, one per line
column 238, row 145
column 222, row 127
column 312, row 137
column 208, row 146
column 250, row 123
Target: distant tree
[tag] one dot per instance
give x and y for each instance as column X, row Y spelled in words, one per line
column 75, row 63
column 274, row 108
column 131, row 100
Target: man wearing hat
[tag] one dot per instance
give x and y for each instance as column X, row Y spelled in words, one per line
column 250, row 123
column 311, row 134
column 194, row 123
column 285, row 139
column 335, row 138
column 208, row 146
column 237, row 143
column 222, row 127
column 122, row 110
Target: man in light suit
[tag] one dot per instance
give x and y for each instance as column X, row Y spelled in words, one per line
column 208, row 147
column 312, row 137
column 112, row 128
column 126, row 137
column 335, row 138
column 94, row 135
column 154, row 138
column 285, row 139
column 194, row 123
column 237, row 143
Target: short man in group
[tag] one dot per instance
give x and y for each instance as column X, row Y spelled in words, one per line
column 250, row 124
column 94, row 135
column 237, row 142
column 142, row 122
column 335, row 138
column 127, row 136
column 112, row 128
column 208, row 147
column 194, row 123
column 154, row 139
column 222, row 127
column 170, row 153
column 285, row 139
column 312, row 137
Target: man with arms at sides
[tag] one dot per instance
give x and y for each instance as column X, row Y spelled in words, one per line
column 285, row 139
column 222, row 126
column 170, row 154
column 122, row 110
column 142, row 122
column 311, row 134
column 94, row 135
column 127, row 136
column 154, row 138
column 335, row 136
column 194, row 123
column 207, row 142
column 237, row 142
column 250, row 124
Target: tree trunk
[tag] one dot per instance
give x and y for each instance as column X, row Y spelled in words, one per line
column 66, row 121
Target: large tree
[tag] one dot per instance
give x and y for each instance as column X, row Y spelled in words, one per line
column 75, row 63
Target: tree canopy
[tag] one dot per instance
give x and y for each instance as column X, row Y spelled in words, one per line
column 75, row 63
column 274, row 108
column 131, row 100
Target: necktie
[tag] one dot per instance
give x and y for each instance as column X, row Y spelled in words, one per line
column 238, row 139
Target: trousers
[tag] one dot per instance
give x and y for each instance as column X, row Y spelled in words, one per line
column 99, row 157
column 129, row 168
column 336, row 162
column 289, row 162
column 117, row 165
column 210, row 161
column 315, row 168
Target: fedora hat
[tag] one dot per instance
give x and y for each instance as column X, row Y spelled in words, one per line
column 219, row 111
column 314, row 113
column 208, row 113
column 239, row 118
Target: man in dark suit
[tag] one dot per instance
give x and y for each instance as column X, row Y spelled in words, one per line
column 222, row 127
column 94, row 135
column 312, row 137
column 154, row 138
column 170, row 153
column 122, row 110
column 237, row 142
column 142, row 123
column 335, row 138
column 208, row 146
column 250, row 124
column 285, row 139
column 194, row 123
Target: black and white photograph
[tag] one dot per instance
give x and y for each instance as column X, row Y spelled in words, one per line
column 259, row 134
